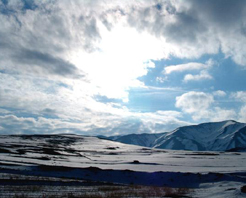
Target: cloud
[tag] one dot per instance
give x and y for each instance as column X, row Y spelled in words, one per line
column 204, row 75
column 74, row 39
column 194, row 28
column 194, row 101
column 219, row 93
column 223, row 18
column 47, row 63
column 242, row 113
column 178, row 24
column 52, row 107
column 15, row 125
column 184, row 67
column 37, row 41
column 136, row 123
column 161, row 79
column 4, row 111
column 56, row 56
column 215, row 114
column 188, row 67
column 11, row 124
column 112, row 43
column 202, row 106
column 241, row 97
column 192, row 66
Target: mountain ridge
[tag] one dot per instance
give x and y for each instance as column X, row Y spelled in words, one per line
column 210, row 136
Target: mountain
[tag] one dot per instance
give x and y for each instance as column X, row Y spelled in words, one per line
column 213, row 136
column 143, row 139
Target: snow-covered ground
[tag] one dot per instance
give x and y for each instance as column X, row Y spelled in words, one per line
column 92, row 159
column 81, row 152
column 219, row 190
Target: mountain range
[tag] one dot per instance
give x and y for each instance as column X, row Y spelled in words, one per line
column 214, row 136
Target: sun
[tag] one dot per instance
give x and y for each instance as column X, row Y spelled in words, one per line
column 122, row 56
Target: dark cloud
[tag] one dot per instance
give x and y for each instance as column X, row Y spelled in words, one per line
column 105, row 99
column 11, row 124
column 88, row 26
column 46, row 62
column 185, row 26
column 186, row 29
column 49, row 113
column 34, row 61
column 224, row 13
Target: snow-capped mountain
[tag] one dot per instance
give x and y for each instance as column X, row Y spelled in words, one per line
column 214, row 136
column 143, row 139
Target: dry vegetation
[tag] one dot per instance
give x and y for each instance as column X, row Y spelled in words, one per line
column 93, row 192
column 69, row 189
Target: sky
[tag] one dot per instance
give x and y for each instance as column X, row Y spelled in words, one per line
column 113, row 67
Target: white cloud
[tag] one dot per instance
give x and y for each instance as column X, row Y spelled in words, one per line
column 134, row 123
column 204, row 75
column 220, row 114
column 62, row 108
column 194, row 101
column 219, row 93
column 161, row 79
column 200, row 106
column 4, row 111
column 242, row 114
column 185, row 67
column 215, row 114
column 12, row 124
column 240, row 96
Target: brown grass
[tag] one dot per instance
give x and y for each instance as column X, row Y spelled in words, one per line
column 116, row 192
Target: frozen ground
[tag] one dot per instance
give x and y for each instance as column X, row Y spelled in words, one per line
column 77, row 162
